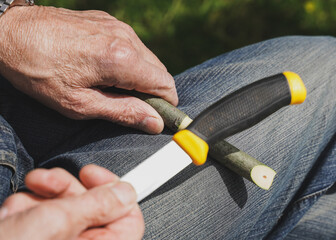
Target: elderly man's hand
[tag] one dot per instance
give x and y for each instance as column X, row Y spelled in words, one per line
column 64, row 58
column 61, row 207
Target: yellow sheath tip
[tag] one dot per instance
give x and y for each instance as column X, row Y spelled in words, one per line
column 193, row 145
column 297, row 87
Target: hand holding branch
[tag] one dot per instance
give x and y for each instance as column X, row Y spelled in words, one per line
column 65, row 58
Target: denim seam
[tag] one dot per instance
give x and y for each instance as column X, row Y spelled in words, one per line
column 320, row 192
column 4, row 162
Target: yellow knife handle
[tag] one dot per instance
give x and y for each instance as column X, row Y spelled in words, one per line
column 296, row 86
column 238, row 111
column 193, row 145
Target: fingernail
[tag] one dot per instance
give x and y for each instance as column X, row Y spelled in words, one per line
column 152, row 125
column 3, row 213
column 125, row 193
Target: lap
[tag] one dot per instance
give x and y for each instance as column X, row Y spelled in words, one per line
column 209, row 202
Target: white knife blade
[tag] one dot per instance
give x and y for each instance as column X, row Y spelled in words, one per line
column 233, row 113
column 157, row 169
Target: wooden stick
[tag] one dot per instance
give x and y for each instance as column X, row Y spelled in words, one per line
column 243, row 164
column 223, row 152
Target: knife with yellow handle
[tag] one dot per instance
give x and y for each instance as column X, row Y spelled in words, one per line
column 234, row 113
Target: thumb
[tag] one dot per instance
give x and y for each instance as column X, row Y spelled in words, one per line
column 122, row 109
column 70, row 216
column 102, row 205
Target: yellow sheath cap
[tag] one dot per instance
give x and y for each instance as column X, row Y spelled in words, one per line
column 297, row 87
column 193, row 145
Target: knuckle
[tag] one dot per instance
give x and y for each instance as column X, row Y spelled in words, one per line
column 166, row 88
column 166, row 82
column 170, row 82
column 130, row 115
column 120, row 51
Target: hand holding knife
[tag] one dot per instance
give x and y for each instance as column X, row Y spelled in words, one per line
column 234, row 113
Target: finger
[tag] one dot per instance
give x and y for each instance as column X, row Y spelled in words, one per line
column 46, row 184
column 93, row 176
column 53, row 183
column 129, row 227
column 122, row 67
column 18, row 202
column 71, row 216
column 148, row 78
column 103, row 205
column 125, row 110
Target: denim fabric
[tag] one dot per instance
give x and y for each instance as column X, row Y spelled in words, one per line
column 210, row 202
column 316, row 184
column 8, row 159
column 320, row 218
column 15, row 163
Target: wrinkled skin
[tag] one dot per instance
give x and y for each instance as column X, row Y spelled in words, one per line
column 64, row 58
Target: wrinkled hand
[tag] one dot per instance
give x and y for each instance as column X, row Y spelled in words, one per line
column 61, row 207
column 64, row 58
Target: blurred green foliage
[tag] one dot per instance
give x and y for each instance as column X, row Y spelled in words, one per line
column 185, row 33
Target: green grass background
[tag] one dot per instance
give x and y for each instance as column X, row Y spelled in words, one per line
column 185, row 33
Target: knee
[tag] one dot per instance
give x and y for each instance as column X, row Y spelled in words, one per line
column 305, row 47
column 313, row 56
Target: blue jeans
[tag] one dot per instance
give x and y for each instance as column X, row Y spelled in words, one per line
column 207, row 202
